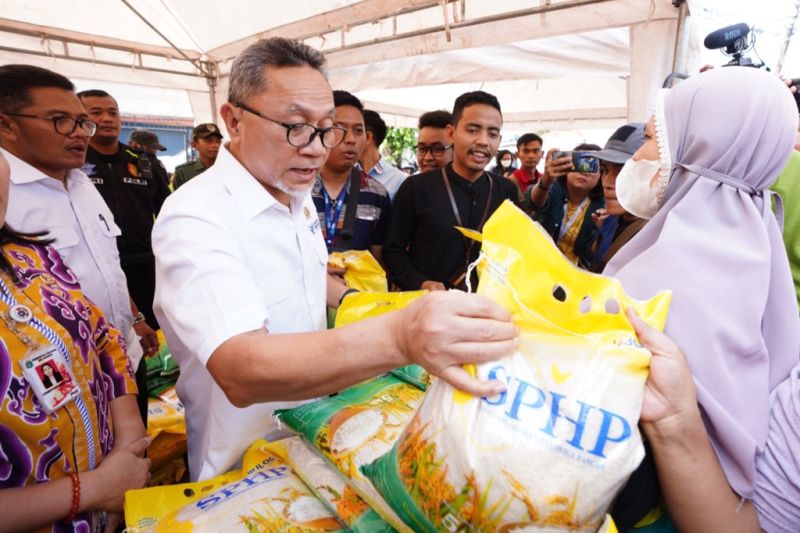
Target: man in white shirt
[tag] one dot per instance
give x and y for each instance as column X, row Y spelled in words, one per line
column 241, row 274
column 373, row 162
column 48, row 193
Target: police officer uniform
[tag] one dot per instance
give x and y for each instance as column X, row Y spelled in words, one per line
column 134, row 185
column 187, row 171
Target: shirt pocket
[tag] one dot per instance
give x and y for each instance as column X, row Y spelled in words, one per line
column 108, row 227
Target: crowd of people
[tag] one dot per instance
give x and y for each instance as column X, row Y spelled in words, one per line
column 97, row 253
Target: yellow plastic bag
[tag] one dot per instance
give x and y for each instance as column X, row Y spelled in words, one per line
column 361, row 270
column 265, row 496
column 166, row 414
column 551, row 452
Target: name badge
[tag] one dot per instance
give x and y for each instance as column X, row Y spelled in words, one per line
column 50, row 378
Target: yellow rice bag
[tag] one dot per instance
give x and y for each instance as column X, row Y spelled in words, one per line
column 265, row 496
column 361, row 270
column 551, row 452
column 165, row 413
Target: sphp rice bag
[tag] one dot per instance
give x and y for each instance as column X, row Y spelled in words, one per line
column 265, row 496
column 551, row 452
column 357, row 426
column 361, row 270
column 330, row 486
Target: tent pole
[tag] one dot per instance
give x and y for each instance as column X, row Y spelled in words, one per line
column 198, row 64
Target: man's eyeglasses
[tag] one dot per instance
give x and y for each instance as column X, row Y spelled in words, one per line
column 63, row 124
column 434, row 149
column 301, row 134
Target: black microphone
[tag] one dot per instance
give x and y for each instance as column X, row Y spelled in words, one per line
column 726, row 36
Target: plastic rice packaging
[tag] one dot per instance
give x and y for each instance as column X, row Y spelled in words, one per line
column 265, row 496
column 552, row 452
column 361, row 270
column 415, row 375
column 361, row 305
column 331, row 486
column 165, row 413
column 355, row 427
column 368, row 304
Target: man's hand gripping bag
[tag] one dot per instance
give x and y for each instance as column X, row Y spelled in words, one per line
column 551, row 452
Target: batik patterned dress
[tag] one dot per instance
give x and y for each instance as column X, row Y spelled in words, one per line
column 35, row 446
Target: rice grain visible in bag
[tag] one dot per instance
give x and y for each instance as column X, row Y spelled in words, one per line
column 265, row 496
column 331, row 486
column 355, row 427
column 551, row 452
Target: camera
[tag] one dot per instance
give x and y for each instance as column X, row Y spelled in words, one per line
column 734, row 41
column 581, row 161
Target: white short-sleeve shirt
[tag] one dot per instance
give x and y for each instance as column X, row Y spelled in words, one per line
column 85, row 234
column 232, row 259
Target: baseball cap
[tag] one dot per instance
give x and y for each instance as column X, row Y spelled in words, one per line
column 202, row 131
column 147, row 139
column 622, row 144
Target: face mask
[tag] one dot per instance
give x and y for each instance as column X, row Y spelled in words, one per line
column 506, row 162
column 633, row 188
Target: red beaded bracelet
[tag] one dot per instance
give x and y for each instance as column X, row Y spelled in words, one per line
column 76, row 496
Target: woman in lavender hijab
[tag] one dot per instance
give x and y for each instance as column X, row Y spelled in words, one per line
column 715, row 144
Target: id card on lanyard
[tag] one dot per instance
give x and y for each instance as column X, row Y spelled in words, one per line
column 44, row 367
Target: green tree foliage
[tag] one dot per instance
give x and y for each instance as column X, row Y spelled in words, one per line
column 399, row 140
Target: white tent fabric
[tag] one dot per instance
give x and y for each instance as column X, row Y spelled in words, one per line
column 552, row 63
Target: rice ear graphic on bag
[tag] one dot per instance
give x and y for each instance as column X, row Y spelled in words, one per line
column 357, row 426
column 331, row 486
column 550, row 453
column 265, row 496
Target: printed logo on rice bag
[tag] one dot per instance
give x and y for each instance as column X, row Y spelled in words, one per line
column 266, row 496
column 552, row 451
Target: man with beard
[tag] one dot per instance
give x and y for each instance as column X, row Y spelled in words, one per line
column 241, row 268
column 353, row 208
column 423, row 249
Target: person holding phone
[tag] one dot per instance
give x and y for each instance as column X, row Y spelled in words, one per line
column 564, row 200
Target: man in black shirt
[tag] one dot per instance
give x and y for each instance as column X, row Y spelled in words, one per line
column 423, row 250
column 134, row 185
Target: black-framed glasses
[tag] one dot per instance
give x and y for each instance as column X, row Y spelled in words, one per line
column 301, row 134
column 63, row 124
column 435, row 149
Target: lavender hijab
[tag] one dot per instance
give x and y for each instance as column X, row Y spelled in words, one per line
column 716, row 244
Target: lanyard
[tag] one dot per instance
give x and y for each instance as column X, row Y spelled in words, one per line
column 566, row 224
column 455, row 207
column 332, row 213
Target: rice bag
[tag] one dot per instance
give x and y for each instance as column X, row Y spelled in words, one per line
column 165, row 413
column 330, row 486
column 265, row 496
column 415, row 375
column 551, row 452
column 357, row 426
column 361, row 270
column 361, row 305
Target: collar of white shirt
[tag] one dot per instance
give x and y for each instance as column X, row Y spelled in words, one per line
column 247, row 192
column 23, row 172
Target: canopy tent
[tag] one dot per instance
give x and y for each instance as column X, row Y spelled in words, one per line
column 552, row 63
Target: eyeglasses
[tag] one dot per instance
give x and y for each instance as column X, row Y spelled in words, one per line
column 434, row 149
column 301, row 134
column 63, row 124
